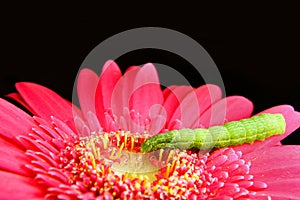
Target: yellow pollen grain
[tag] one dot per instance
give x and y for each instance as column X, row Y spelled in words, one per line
column 95, row 184
column 184, row 161
column 161, row 182
column 137, row 185
column 171, row 191
column 147, row 184
column 186, row 176
column 165, row 188
column 155, row 188
column 195, row 177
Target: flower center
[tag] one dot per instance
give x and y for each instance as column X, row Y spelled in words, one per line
column 121, row 151
column 108, row 166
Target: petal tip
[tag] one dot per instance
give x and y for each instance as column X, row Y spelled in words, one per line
column 110, row 64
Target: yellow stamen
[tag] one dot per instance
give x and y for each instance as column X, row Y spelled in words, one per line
column 112, row 153
column 170, row 156
column 118, row 139
column 173, row 164
column 168, row 170
column 93, row 161
column 160, row 154
column 92, row 145
column 98, row 153
column 105, row 140
column 132, row 143
column 125, row 138
column 120, row 150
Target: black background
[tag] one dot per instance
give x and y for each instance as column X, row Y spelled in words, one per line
column 256, row 48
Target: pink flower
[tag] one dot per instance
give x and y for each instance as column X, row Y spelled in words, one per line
column 60, row 153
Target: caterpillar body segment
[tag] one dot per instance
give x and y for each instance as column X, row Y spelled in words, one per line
column 230, row 134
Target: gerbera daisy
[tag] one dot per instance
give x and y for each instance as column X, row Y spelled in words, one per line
column 93, row 153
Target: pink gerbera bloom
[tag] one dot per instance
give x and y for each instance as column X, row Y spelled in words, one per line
column 93, row 153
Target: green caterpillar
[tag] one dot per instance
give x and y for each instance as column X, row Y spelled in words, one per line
column 230, row 134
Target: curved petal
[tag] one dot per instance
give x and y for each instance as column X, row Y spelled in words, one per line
column 17, row 187
column 173, row 95
column 45, row 103
column 231, row 108
column 12, row 158
column 283, row 189
column 18, row 98
column 279, row 167
column 144, row 98
column 292, row 119
column 86, row 87
column 110, row 75
column 132, row 68
column 146, row 91
column 207, row 95
column 195, row 103
column 123, row 90
column 14, row 121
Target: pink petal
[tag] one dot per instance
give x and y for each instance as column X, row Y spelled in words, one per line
column 17, row 187
column 173, row 95
column 144, row 98
column 283, row 189
column 292, row 119
column 267, row 161
column 167, row 91
column 147, row 91
column 123, row 91
column 158, row 117
column 14, row 121
column 279, row 167
column 45, row 103
column 76, row 111
column 111, row 74
column 12, row 158
column 195, row 103
column 19, row 99
column 146, row 75
column 228, row 109
column 131, row 68
column 86, row 87
column 207, row 95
